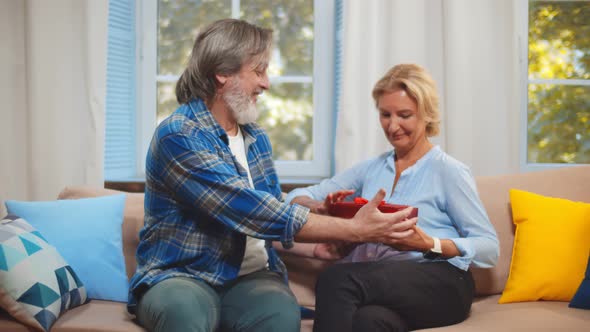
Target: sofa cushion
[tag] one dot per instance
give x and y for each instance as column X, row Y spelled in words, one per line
column 87, row 232
column 132, row 218
column 487, row 315
column 96, row 316
column 566, row 182
column 36, row 284
column 550, row 248
column 582, row 297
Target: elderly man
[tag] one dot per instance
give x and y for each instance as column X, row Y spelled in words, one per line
column 213, row 201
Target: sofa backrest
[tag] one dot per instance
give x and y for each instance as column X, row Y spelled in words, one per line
column 571, row 183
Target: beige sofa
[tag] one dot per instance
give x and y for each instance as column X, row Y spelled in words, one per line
column 486, row 314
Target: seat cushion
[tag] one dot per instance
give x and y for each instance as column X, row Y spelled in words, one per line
column 96, row 316
column 488, row 315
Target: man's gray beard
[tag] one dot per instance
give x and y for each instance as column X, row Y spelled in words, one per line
column 240, row 104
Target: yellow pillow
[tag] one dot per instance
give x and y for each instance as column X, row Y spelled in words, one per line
column 550, row 248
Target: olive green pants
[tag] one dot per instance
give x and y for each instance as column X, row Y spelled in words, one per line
column 260, row 301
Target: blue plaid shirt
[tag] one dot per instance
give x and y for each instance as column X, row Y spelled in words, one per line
column 199, row 205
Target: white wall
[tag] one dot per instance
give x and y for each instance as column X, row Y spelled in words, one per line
column 52, row 87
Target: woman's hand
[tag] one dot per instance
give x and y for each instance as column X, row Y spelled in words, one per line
column 416, row 241
column 337, row 196
column 420, row 241
column 322, row 207
column 333, row 251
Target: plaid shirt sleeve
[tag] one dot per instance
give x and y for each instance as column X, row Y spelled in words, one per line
column 202, row 176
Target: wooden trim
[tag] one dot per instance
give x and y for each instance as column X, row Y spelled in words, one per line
column 139, row 186
column 287, row 187
column 128, row 186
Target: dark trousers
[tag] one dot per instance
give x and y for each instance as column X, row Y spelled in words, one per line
column 391, row 296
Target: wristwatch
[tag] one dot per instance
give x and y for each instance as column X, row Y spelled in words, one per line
column 436, row 251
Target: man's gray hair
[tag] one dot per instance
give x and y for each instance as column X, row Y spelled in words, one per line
column 220, row 49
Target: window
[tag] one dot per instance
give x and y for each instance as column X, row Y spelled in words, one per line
column 558, row 83
column 296, row 111
column 120, row 123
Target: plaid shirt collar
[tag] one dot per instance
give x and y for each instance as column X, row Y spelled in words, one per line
column 202, row 115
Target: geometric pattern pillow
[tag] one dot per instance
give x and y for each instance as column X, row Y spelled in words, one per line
column 36, row 284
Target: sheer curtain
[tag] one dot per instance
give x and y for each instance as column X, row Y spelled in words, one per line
column 53, row 89
column 468, row 47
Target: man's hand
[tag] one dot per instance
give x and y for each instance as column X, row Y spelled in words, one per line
column 333, row 251
column 387, row 228
column 368, row 225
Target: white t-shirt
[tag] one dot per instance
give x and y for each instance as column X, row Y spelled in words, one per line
column 255, row 257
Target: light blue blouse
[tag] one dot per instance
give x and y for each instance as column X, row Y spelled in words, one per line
column 442, row 188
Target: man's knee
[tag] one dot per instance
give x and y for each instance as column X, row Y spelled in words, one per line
column 282, row 315
column 377, row 318
column 277, row 311
column 178, row 305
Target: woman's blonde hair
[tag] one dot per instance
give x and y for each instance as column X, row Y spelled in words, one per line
column 417, row 83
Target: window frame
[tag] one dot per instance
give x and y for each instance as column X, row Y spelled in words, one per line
column 522, row 26
column 323, row 91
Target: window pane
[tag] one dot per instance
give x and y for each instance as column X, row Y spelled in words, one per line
column 166, row 100
column 558, row 124
column 287, row 108
column 292, row 22
column 178, row 23
column 559, row 39
column 286, row 113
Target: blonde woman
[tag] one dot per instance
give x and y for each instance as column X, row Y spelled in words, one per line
column 422, row 280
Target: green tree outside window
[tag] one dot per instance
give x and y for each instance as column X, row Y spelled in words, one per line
column 558, row 115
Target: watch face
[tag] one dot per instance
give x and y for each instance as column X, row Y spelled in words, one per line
column 431, row 254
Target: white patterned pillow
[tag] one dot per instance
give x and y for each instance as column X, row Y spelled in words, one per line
column 36, row 284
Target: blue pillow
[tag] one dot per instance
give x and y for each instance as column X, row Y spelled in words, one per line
column 87, row 233
column 36, row 284
column 581, row 299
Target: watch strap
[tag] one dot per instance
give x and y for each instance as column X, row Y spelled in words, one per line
column 436, row 251
column 437, row 246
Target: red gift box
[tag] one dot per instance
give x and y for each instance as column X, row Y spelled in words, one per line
column 349, row 209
